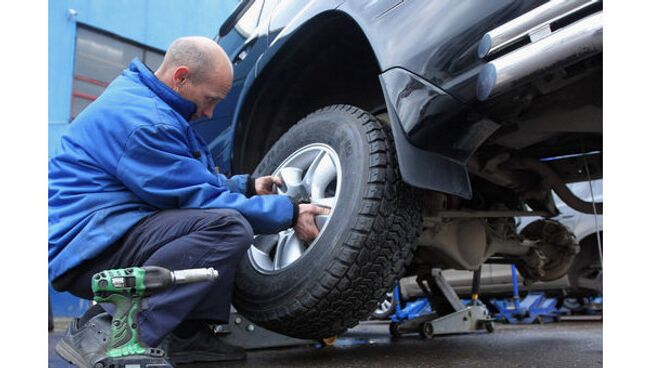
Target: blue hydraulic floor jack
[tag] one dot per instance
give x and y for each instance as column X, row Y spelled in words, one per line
column 441, row 311
column 534, row 308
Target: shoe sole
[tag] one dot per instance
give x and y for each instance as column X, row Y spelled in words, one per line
column 66, row 352
column 202, row 357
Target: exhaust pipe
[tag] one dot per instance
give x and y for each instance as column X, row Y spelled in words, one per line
column 564, row 47
column 555, row 181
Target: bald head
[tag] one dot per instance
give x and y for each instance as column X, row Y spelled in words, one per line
column 199, row 70
column 200, row 55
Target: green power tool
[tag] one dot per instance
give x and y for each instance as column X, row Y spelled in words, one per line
column 125, row 288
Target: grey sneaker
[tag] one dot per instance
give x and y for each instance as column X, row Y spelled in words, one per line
column 85, row 345
column 204, row 346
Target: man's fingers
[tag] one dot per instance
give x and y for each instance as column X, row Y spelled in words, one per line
column 265, row 184
column 306, row 227
column 309, row 233
column 313, row 231
column 319, row 210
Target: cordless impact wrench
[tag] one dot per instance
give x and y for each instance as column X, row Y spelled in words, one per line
column 125, row 288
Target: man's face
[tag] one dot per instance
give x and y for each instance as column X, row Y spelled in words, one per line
column 207, row 93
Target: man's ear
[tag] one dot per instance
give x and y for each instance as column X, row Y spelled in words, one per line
column 181, row 75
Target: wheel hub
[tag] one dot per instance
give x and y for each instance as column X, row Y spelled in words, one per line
column 312, row 174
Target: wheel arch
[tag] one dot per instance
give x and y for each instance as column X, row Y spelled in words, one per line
column 328, row 60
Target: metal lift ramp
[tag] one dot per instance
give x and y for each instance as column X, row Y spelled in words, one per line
column 242, row 332
column 448, row 314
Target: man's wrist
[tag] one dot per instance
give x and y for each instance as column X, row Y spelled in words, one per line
column 296, row 211
column 250, row 186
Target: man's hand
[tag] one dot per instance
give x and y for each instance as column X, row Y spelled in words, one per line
column 305, row 227
column 264, row 184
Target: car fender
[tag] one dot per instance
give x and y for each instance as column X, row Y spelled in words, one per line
column 436, row 163
column 277, row 31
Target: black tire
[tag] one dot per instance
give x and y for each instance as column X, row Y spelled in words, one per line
column 489, row 327
column 364, row 248
column 50, row 322
column 393, row 328
column 426, row 331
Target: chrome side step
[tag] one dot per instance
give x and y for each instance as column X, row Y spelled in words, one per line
column 531, row 24
column 572, row 43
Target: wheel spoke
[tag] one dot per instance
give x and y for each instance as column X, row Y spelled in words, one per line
column 321, row 220
column 293, row 249
column 266, row 243
column 279, row 250
column 292, row 179
column 324, row 202
column 261, row 258
column 323, row 175
column 309, row 175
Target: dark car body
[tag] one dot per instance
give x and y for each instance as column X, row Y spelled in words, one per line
column 443, row 121
column 418, row 60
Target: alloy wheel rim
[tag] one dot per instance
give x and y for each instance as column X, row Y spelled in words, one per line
column 312, row 174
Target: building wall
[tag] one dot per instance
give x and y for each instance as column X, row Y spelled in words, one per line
column 152, row 23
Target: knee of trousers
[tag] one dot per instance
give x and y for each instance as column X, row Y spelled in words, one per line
column 232, row 225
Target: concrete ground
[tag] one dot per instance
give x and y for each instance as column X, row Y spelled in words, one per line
column 563, row 344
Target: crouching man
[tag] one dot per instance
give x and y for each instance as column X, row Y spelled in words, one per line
column 134, row 185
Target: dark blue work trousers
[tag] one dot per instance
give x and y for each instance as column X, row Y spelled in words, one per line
column 178, row 239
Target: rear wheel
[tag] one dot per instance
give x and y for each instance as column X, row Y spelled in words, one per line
column 343, row 158
column 554, row 253
column 394, row 329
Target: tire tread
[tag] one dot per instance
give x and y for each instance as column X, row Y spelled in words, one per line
column 376, row 250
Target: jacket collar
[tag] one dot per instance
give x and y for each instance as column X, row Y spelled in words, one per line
column 182, row 106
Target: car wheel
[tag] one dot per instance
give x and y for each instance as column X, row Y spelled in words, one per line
column 393, row 328
column 343, row 158
column 426, row 330
column 555, row 251
column 489, row 327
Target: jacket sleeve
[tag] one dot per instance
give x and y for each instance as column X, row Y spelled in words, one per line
column 240, row 184
column 158, row 167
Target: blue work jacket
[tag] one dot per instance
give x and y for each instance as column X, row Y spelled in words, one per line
column 129, row 154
